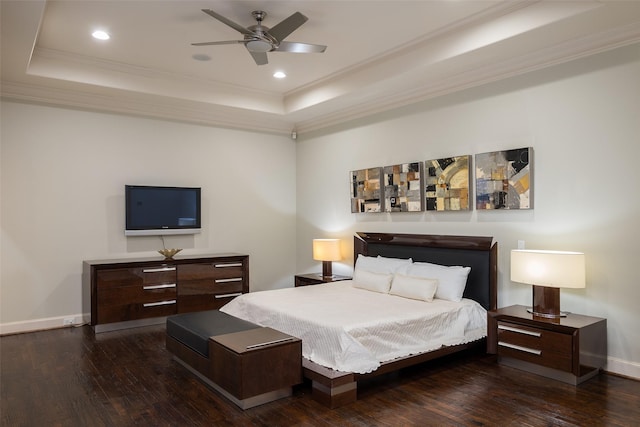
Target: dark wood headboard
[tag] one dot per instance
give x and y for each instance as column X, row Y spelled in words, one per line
column 479, row 253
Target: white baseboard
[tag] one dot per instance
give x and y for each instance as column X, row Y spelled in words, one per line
column 623, row 367
column 42, row 324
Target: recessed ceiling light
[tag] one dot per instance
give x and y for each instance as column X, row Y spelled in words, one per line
column 279, row 75
column 101, row 35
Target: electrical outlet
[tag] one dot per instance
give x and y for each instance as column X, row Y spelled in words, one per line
column 68, row 321
column 520, row 244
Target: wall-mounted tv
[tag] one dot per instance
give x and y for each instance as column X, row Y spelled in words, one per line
column 152, row 210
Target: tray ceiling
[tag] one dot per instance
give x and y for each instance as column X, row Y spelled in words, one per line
column 380, row 55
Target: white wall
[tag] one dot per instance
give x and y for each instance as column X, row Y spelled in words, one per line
column 582, row 120
column 63, row 175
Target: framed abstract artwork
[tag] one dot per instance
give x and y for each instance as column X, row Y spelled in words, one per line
column 503, row 179
column 447, row 184
column 366, row 190
column 403, row 187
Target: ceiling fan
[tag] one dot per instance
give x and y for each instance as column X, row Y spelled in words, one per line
column 259, row 39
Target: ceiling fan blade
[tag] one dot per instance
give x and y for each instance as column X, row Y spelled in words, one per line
column 214, row 43
column 295, row 47
column 260, row 57
column 287, row 26
column 227, row 21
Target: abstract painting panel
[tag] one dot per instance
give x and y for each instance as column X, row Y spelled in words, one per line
column 366, row 190
column 403, row 187
column 447, row 184
column 503, row 179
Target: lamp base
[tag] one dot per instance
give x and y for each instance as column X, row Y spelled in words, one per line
column 546, row 302
column 326, row 269
column 547, row 315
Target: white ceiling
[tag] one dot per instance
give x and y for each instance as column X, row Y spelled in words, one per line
column 380, row 54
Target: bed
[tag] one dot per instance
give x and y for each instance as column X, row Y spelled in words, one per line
column 384, row 318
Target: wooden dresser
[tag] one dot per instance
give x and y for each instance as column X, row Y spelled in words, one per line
column 142, row 291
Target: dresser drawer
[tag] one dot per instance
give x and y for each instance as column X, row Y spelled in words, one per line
column 220, row 272
column 122, row 277
column 209, row 287
column 136, row 311
column 535, row 345
column 191, row 303
column 137, row 294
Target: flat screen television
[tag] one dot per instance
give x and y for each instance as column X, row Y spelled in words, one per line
column 152, row 210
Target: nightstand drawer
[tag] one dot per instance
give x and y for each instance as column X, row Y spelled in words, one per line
column 540, row 346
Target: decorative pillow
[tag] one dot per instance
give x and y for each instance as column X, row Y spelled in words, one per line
column 412, row 287
column 451, row 280
column 380, row 264
column 377, row 282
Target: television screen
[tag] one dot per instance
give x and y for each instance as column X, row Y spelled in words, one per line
column 161, row 210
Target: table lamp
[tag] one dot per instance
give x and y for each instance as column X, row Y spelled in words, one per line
column 326, row 250
column 548, row 271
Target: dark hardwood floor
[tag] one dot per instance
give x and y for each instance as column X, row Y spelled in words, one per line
column 71, row 377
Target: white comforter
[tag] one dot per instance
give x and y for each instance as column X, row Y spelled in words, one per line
column 354, row 330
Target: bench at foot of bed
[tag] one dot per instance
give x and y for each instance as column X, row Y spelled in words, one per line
column 248, row 364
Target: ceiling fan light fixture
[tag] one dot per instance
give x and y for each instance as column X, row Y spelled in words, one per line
column 259, row 39
column 259, row 46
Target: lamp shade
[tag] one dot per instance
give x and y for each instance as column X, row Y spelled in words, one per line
column 556, row 269
column 326, row 250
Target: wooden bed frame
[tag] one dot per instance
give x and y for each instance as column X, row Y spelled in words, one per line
column 336, row 388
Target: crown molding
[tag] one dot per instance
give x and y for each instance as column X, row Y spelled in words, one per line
column 488, row 73
column 60, row 65
column 149, row 106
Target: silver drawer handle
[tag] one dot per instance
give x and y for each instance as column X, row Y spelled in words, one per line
column 158, row 270
column 170, row 285
column 236, row 264
column 235, row 279
column 237, row 294
column 155, row 304
column 519, row 331
column 264, row 344
column 520, row 348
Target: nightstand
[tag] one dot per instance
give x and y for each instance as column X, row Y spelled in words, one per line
column 571, row 349
column 317, row 278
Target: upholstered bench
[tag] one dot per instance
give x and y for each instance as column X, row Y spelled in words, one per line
column 248, row 364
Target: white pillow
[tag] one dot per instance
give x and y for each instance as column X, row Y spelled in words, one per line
column 412, row 287
column 380, row 264
column 451, row 280
column 377, row 282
